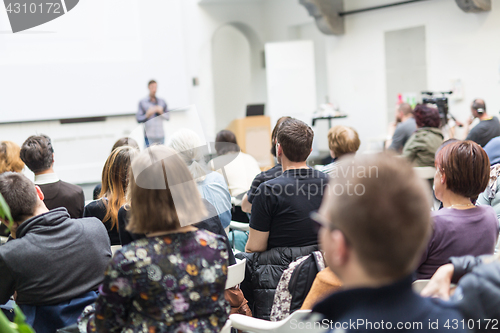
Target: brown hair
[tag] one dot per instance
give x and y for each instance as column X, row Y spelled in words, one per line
column 151, row 82
column 163, row 194
column 295, row 138
column 225, row 142
column 343, row 140
column 10, row 159
column 383, row 210
column 125, row 142
column 274, row 134
column 466, row 167
column 37, row 152
column 115, row 181
column 405, row 108
column 20, row 195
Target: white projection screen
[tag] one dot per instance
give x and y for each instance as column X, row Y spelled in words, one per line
column 95, row 60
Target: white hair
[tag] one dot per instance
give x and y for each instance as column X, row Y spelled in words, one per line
column 190, row 149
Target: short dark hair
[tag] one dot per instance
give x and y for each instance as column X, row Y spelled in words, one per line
column 479, row 104
column 295, row 138
column 426, row 116
column 387, row 219
column 466, row 167
column 151, row 82
column 36, row 153
column 405, row 108
column 221, row 143
column 20, row 195
column 274, row 134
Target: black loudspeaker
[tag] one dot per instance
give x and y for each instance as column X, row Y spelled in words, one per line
column 474, row 6
column 326, row 14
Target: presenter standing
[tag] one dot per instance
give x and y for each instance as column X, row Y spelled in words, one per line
column 152, row 111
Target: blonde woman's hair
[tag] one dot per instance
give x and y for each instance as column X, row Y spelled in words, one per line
column 10, row 159
column 115, row 178
column 190, row 149
column 163, row 195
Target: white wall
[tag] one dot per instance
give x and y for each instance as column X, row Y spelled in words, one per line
column 232, row 75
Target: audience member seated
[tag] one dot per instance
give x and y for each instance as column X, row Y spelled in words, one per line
column 9, row 161
column 276, row 171
column 460, row 228
column 37, row 153
column 342, row 140
column 238, row 168
column 280, row 227
column 488, row 127
column 211, row 224
column 9, row 157
column 492, row 148
column 174, row 279
column 115, row 181
column 120, row 143
column 476, row 295
column 372, row 241
column 211, row 184
column 423, row 144
column 405, row 127
column 54, row 264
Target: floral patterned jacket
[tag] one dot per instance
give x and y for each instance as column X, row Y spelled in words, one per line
column 171, row 283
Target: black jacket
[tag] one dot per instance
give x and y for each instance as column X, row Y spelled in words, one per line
column 53, row 259
column 262, row 275
column 478, row 290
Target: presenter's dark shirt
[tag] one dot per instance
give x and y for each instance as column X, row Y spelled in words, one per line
column 263, row 177
column 282, row 207
column 483, row 132
column 98, row 209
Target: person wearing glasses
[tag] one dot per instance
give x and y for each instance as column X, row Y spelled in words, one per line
column 373, row 241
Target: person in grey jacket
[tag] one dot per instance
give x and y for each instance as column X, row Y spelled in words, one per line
column 50, row 259
column 477, row 293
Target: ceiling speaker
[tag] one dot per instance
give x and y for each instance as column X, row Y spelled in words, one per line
column 474, row 6
column 326, row 14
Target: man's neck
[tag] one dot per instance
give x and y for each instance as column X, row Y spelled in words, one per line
column 484, row 117
column 405, row 118
column 44, row 172
column 289, row 165
column 152, row 97
column 355, row 277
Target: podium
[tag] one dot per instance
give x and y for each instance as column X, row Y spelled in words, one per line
column 254, row 138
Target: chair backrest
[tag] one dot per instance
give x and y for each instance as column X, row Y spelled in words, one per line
column 296, row 321
column 419, row 285
column 115, row 248
column 236, row 273
column 425, row 172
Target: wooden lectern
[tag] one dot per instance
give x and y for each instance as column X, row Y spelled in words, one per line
column 254, row 138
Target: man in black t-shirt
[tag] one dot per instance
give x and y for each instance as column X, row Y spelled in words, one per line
column 276, row 171
column 281, row 206
column 488, row 127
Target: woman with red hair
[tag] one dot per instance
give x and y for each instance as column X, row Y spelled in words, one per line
column 423, row 144
column 460, row 228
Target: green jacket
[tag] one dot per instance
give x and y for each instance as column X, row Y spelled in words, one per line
column 422, row 145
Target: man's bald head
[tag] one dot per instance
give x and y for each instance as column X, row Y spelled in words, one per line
column 479, row 106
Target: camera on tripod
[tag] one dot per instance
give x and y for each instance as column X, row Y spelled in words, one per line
column 441, row 102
